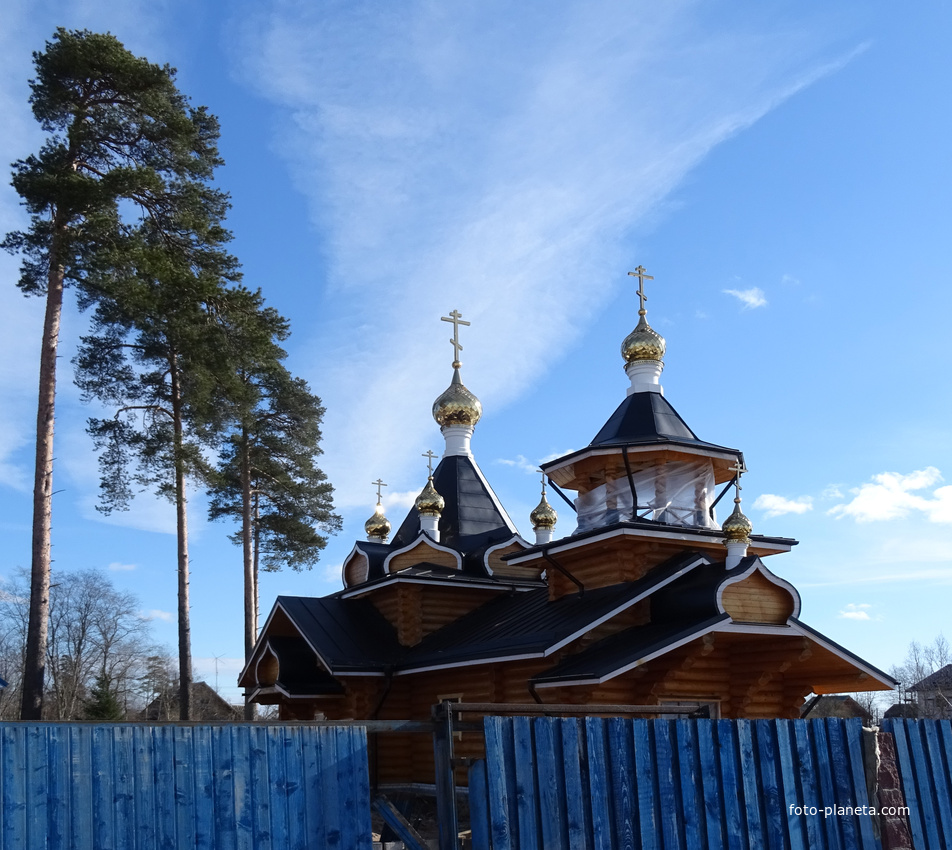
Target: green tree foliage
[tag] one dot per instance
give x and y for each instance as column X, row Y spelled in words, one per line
column 267, row 477
column 121, row 139
column 157, row 354
column 103, row 703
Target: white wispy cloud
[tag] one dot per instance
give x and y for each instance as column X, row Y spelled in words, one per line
column 115, row 566
column 401, row 499
column 750, row 298
column 779, row 505
column 461, row 160
column 832, row 491
column 520, row 462
column 790, row 280
column 892, row 495
column 855, row 611
column 156, row 614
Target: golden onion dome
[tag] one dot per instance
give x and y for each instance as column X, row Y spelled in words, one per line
column 737, row 527
column 378, row 526
column 429, row 502
column 457, row 405
column 643, row 343
column 543, row 515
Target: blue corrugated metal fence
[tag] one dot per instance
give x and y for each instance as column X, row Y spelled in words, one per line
column 596, row 783
column 231, row 787
column 924, row 754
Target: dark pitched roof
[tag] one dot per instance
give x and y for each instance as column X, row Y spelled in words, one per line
column 942, row 678
column 834, row 705
column 472, row 518
column 348, row 634
column 619, row 650
column 902, row 709
column 528, row 623
column 648, row 417
column 205, row 703
column 297, row 665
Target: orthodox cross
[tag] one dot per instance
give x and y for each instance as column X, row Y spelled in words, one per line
column 379, row 483
column 642, row 277
column 543, row 481
column 738, row 469
column 456, row 318
column 429, row 460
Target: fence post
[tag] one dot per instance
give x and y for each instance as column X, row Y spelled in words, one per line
column 445, row 775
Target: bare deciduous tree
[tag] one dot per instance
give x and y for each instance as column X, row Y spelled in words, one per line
column 96, row 632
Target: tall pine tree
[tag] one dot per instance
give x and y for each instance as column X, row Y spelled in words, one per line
column 159, row 356
column 267, row 477
column 120, row 136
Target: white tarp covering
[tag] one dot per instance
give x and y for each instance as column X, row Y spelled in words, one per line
column 678, row 492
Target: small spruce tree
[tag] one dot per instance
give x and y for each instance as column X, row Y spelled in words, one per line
column 102, row 703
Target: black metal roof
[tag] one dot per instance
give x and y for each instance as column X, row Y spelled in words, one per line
column 614, row 652
column 351, row 635
column 297, row 674
column 648, row 417
column 348, row 634
column 471, row 519
column 528, row 623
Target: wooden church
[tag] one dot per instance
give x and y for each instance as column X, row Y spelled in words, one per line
column 645, row 600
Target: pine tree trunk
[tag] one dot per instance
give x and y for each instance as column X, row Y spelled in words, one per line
column 31, row 705
column 247, row 559
column 181, row 524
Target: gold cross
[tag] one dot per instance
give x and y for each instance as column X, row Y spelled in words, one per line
column 738, row 469
column 429, row 460
column 457, row 319
column 543, row 482
column 642, row 277
column 379, row 483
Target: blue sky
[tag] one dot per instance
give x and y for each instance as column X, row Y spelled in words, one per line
column 783, row 170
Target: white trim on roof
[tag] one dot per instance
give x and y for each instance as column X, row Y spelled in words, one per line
column 422, row 539
column 501, row 584
column 632, row 664
column 804, row 631
column 343, row 567
column 473, row 663
column 516, row 538
column 644, row 594
column 567, row 544
column 758, row 566
column 495, row 499
column 668, row 445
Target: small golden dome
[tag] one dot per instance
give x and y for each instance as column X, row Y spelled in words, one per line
column 643, row 343
column 457, row 405
column 737, row 527
column 429, row 502
column 543, row 515
column 378, row 526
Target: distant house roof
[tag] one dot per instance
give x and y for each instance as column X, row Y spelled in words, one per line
column 205, row 704
column 942, row 678
column 902, row 710
column 834, row 705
